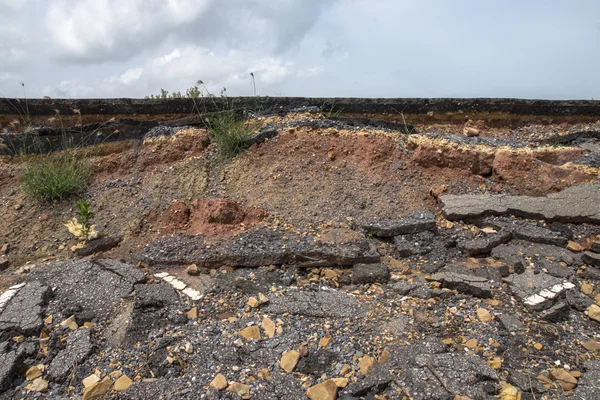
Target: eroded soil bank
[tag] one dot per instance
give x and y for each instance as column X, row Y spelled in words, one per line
column 344, row 256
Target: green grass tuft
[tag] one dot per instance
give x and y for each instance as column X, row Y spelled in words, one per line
column 55, row 177
column 229, row 134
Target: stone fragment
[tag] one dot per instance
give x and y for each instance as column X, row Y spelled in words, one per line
column 325, row 341
column 563, row 378
column 591, row 258
column 250, row 332
column 97, row 390
column 289, row 360
column 594, row 312
column 370, row 273
column 574, row 246
column 591, row 345
column 484, row 315
column 32, row 373
column 242, row 390
column 419, row 221
column 537, row 234
column 193, row 270
column 480, row 246
column 70, row 323
column 90, row 380
column 596, row 246
column 192, row 293
column 38, row 385
column 340, row 382
column 471, row 343
column 508, row 392
column 268, row 326
column 98, row 245
column 219, row 382
column 468, row 284
column 366, row 365
column 122, row 383
column 192, row 313
column 587, row 289
column 323, row 391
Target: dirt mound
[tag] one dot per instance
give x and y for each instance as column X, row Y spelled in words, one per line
column 212, row 216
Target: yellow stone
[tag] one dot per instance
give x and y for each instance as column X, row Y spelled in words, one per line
column 240, row 388
column 264, row 374
column 289, row 359
column 115, row 374
column 219, row 382
column 253, row 302
column 90, row 380
column 366, row 365
column 594, row 312
column 262, row 298
column 89, row 324
column 495, row 363
column 192, row 313
column 346, row 370
column 471, row 343
column 32, row 373
column 484, row 315
column 48, row 320
column 250, row 332
column 563, row 378
column 340, row 382
column 38, row 385
column 18, row 339
column 122, row 383
column 538, row 346
column 509, row 392
column 574, row 246
column 323, row 391
column 591, row 345
column 597, row 299
column 544, row 380
column 97, row 390
column 269, row 327
column 325, row 341
column 70, row 323
column 384, row 356
column 447, row 341
column 587, row 289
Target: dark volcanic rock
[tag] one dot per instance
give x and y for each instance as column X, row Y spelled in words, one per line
column 468, row 284
column 417, row 244
column 370, row 273
column 319, row 303
column 480, row 246
column 575, row 204
column 23, row 313
column 79, row 346
column 104, row 243
column 12, row 357
column 256, row 248
column 89, row 289
column 591, row 258
column 416, row 222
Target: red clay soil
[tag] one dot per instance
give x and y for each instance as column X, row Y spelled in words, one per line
column 212, row 217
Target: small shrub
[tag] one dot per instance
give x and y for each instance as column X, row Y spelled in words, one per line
column 56, row 176
column 229, row 134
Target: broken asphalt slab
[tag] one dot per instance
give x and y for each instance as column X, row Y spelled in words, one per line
column 538, row 291
column 88, row 289
column 318, row 303
column 575, row 204
column 418, row 221
column 256, row 248
column 23, row 312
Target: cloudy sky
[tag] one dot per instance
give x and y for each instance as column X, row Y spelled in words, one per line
column 365, row 48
